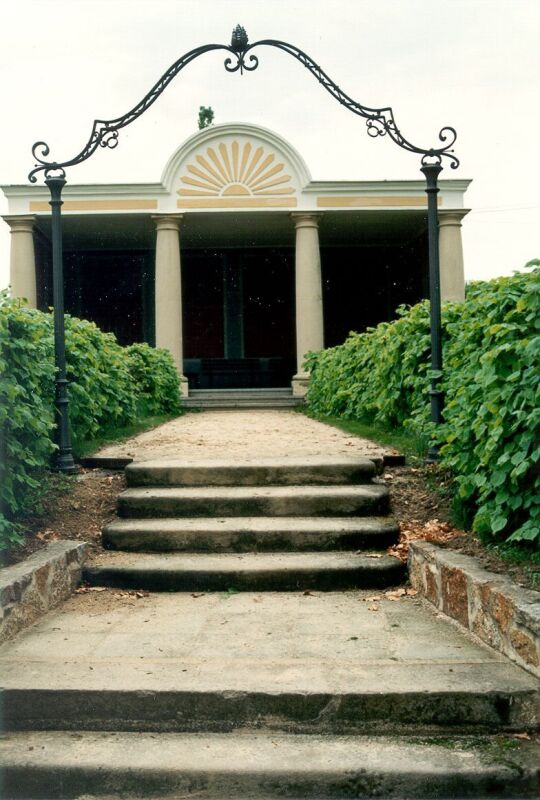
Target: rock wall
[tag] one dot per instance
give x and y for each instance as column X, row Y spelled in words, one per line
column 40, row 582
column 502, row 614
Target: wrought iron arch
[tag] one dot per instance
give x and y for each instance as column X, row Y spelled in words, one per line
column 105, row 133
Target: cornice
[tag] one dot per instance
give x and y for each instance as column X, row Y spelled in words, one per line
column 382, row 187
column 88, row 190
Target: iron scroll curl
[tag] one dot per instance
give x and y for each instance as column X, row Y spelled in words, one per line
column 379, row 121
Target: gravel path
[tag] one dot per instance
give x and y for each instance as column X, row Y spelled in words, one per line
column 243, row 434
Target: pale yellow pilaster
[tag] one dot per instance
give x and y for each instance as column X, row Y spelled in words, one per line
column 309, row 307
column 22, row 263
column 168, row 289
column 451, row 255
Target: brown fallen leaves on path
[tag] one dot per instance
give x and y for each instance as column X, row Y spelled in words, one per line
column 434, row 531
column 392, row 594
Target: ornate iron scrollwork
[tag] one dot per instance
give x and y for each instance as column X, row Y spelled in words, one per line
column 379, row 121
column 240, row 46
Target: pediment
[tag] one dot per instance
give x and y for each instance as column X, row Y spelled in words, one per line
column 236, row 166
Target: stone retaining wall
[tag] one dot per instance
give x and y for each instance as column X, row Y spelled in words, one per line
column 32, row 587
column 500, row 613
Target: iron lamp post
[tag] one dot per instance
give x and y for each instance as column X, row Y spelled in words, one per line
column 63, row 457
column 432, row 172
column 379, row 122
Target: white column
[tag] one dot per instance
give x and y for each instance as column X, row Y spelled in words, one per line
column 22, row 258
column 451, row 255
column 309, row 308
column 168, row 287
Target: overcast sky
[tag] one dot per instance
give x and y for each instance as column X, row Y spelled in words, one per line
column 472, row 64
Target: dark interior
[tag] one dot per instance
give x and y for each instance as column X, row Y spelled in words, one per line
column 238, row 317
column 238, row 303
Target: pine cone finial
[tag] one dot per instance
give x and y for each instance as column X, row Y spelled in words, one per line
column 239, row 39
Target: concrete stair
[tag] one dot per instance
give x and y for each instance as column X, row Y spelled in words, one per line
column 254, row 572
column 203, row 695
column 239, row 501
column 63, row 765
column 250, row 674
column 263, row 472
column 137, row 727
column 249, row 534
column 265, row 525
column 241, row 398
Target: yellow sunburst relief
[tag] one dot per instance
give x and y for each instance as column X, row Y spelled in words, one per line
column 236, row 170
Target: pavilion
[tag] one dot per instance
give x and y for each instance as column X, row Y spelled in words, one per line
column 237, row 261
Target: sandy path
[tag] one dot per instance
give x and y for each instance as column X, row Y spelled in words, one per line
column 241, row 434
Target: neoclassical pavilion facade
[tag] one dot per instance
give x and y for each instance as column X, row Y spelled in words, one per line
column 237, row 261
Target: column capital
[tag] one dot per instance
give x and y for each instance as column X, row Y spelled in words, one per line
column 306, row 219
column 168, row 222
column 20, row 222
column 452, row 217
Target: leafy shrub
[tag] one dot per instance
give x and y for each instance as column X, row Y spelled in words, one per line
column 376, row 376
column 156, row 378
column 101, row 391
column 489, row 439
column 26, row 413
column 110, row 386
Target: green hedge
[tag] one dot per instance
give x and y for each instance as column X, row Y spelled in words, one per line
column 490, row 437
column 111, row 386
column 157, row 381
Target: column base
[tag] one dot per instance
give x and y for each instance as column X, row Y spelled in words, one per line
column 299, row 384
column 184, row 386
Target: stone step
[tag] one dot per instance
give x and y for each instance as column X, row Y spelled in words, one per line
column 239, row 501
column 318, row 663
column 243, row 402
column 242, row 398
column 277, row 391
column 203, row 695
column 275, row 572
column 247, row 534
column 243, row 766
column 263, row 471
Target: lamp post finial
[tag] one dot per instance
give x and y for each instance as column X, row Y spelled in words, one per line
column 239, row 39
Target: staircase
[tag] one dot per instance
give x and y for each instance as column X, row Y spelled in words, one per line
column 241, row 398
column 265, row 526
column 253, row 672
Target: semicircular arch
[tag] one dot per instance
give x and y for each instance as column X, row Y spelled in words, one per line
column 235, row 160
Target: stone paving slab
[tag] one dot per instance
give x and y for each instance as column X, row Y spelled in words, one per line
column 329, row 633
column 264, row 765
column 334, row 663
column 218, row 434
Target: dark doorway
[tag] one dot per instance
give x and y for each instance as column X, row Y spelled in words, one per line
column 363, row 286
column 238, row 317
column 114, row 289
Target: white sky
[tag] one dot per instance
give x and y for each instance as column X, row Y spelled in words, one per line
column 472, row 64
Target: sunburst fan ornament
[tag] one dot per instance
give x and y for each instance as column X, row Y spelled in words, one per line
column 234, row 170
